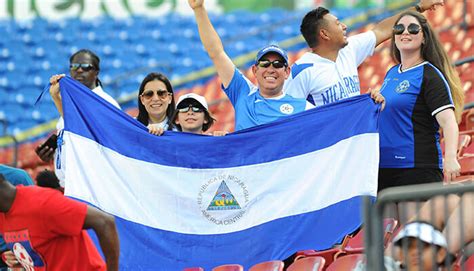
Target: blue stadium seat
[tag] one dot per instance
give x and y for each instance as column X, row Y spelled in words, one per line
column 12, row 112
column 30, row 52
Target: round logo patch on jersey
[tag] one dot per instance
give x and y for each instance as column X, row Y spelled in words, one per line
column 403, row 86
column 23, row 257
column 286, row 109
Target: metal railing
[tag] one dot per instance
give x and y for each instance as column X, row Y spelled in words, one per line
column 374, row 213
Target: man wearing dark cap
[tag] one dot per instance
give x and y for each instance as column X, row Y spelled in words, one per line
column 253, row 105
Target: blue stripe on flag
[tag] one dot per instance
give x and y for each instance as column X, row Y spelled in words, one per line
column 294, row 135
column 148, row 246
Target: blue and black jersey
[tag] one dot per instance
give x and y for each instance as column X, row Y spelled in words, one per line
column 409, row 132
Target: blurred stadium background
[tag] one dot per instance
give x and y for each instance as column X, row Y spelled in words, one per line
column 133, row 38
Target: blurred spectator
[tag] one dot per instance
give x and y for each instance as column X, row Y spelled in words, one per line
column 192, row 114
column 423, row 93
column 16, row 177
column 253, row 105
column 328, row 73
column 451, row 213
column 47, row 178
column 156, row 104
column 44, row 229
column 84, row 66
column 422, row 247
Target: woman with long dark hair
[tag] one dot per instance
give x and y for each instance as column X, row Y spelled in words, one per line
column 156, row 104
column 423, row 94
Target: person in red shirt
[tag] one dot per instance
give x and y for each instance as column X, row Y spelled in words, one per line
column 44, row 230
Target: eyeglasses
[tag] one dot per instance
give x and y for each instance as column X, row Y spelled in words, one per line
column 412, row 29
column 161, row 93
column 277, row 64
column 84, row 66
column 193, row 108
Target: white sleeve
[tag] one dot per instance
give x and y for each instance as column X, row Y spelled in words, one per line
column 309, row 106
column 298, row 87
column 362, row 46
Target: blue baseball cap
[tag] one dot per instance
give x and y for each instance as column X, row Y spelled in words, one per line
column 271, row 49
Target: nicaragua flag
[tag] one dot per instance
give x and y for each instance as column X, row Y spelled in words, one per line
column 183, row 200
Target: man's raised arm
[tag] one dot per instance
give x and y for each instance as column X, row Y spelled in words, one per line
column 212, row 43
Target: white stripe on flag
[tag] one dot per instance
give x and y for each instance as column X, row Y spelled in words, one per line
column 167, row 197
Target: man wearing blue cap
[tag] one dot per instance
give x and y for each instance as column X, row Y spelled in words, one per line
column 253, row 105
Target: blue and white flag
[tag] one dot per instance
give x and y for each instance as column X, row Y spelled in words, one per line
column 183, row 200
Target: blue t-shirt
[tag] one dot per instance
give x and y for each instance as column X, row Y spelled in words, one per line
column 409, row 136
column 16, row 177
column 252, row 109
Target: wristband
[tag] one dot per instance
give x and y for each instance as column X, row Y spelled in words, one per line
column 4, row 258
column 418, row 9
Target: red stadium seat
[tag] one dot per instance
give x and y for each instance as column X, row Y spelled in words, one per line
column 268, row 266
column 464, row 141
column 27, row 156
column 328, row 255
column 229, row 267
column 470, row 119
column 462, row 263
column 355, row 244
column 465, row 179
column 6, row 156
column 315, row 263
column 348, row 262
column 467, row 165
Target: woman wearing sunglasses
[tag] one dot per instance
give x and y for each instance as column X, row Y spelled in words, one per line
column 192, row 114
column 423, row 93
column 156, row 103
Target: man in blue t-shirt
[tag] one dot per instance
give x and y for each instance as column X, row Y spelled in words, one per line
column 253, row 105
column 16, row 177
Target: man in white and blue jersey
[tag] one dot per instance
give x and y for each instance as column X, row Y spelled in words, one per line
column 253, row 105
column 328, row 73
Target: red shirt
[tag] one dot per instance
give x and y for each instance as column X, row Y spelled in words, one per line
column 44, row 230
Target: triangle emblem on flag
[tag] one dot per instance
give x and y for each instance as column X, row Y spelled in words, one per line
column 223, row 199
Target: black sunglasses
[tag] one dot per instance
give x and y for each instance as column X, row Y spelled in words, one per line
column 277, row 64
column 412, row 29
column 161, row 93
column 84, row 66
column 193, row 108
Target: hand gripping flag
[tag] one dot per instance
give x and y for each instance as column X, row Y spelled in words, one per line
column 259, row 194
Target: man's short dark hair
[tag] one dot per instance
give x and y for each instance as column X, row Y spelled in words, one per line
column 47, row 178
column 311, row 24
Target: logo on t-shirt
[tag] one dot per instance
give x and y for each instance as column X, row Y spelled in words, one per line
column 286, row 109
column 22, row 256
column 20, row 243
column 403, row 86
